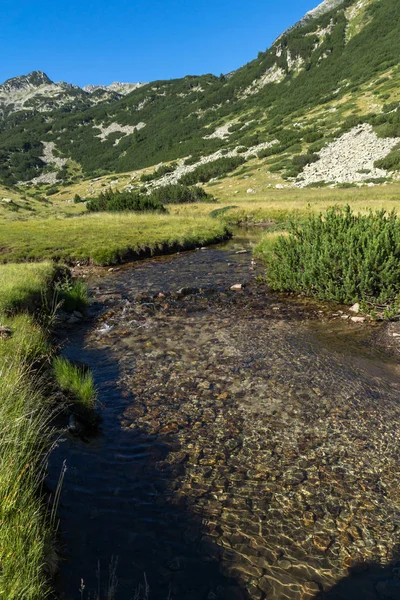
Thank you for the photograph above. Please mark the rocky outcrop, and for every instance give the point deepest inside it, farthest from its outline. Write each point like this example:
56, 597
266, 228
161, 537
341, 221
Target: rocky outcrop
118, 87
183, 169
350, 158
105, 131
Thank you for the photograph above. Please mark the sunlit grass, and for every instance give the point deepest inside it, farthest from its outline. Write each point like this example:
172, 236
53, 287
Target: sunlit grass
104, 238
22, 285
26, 542
76, 381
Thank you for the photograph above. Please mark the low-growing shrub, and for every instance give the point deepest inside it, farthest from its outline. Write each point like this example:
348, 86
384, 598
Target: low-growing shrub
160, 172
180, 194
391, 162
272, 150
116, 201
313, 136
340, 256
216, 168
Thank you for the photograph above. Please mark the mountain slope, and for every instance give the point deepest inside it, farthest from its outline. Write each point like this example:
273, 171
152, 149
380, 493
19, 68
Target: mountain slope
336, 68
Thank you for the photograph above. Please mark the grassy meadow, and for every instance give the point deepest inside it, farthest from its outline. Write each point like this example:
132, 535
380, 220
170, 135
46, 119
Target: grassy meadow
104, 238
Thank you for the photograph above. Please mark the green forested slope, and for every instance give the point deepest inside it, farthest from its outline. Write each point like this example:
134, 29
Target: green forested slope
347, 59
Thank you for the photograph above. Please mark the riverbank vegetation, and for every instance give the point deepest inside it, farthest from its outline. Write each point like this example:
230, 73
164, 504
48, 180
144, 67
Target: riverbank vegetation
140, 201
26, 534
105, 238
339, 256
75, 380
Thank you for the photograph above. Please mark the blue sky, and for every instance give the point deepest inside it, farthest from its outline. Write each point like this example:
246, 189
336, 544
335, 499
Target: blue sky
100, 41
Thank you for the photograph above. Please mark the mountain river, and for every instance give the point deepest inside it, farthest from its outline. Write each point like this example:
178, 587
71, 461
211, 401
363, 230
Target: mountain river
249, 444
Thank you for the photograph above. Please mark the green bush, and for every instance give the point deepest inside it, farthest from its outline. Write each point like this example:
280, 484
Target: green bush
160, 172
216, 168
340, 256
391, 162
180, 194
116, 201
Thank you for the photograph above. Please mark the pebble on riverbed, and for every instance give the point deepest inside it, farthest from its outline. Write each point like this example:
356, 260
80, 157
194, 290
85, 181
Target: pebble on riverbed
237, 286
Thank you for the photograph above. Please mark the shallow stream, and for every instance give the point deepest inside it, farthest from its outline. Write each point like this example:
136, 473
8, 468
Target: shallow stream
249, 446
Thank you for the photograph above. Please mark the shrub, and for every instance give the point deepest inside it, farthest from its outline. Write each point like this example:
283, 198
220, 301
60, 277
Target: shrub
116, 201
180, 194
313, 136
212, 169
160, 172
340, 256
391, 162
78, 199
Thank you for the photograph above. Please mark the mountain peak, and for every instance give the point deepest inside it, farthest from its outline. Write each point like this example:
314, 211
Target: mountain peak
33, 79
322, 8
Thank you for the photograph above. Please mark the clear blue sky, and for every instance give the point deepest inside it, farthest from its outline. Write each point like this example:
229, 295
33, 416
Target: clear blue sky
100, 41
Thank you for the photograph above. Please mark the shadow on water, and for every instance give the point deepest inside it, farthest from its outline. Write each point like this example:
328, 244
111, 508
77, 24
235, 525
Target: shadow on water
366, 581
120, 528
248, 449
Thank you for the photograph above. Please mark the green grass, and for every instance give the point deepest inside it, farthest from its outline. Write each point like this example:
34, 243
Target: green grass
104, 238
73, 295
22, 286
76, 381
26, 533
26, 541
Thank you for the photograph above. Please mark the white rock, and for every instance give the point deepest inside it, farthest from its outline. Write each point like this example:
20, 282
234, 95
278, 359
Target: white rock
237, 286
358, 319
355, 308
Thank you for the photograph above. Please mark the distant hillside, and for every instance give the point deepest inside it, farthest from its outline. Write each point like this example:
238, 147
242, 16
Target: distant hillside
336, 69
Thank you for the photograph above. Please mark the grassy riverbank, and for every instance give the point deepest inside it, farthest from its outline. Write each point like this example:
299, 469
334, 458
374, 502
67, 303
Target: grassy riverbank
26, 536
105, 238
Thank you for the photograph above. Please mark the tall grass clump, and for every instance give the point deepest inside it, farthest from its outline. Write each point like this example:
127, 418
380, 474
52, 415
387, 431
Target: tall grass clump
76, 381
26, 533
27, 553
340, 256
73, 295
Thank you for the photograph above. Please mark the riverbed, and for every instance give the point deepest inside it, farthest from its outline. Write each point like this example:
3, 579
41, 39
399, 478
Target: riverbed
249, 445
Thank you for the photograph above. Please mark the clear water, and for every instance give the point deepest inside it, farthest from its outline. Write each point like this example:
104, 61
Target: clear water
249, 445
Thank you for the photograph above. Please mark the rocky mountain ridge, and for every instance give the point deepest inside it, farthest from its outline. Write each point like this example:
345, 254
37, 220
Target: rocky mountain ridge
37, 92
336, 70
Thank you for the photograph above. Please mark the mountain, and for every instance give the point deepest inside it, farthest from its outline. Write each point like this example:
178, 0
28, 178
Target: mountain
118, 87
321, 102
36, 92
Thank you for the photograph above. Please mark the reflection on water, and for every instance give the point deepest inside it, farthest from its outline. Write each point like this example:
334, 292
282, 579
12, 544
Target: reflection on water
247, 450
